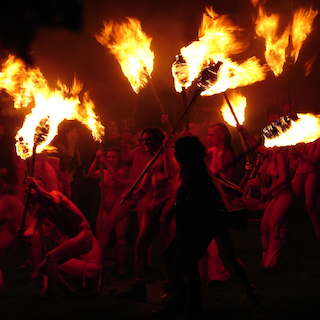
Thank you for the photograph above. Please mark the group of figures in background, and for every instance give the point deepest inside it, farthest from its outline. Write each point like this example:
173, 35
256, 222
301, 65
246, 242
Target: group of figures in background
187, 197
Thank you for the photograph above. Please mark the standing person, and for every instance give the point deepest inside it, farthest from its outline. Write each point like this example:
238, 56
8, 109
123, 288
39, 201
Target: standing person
162, 178
151, 141
112, 137
112, 191
306, 179
197, 221
78, 255
277, 211
67, 161
221, 156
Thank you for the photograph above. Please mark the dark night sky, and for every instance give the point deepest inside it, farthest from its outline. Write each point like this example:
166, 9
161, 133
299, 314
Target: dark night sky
62, 54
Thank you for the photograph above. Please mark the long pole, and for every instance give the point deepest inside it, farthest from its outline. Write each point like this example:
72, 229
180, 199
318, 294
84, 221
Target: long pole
158, 153
185, 106
246, 145
27, 200
167, 123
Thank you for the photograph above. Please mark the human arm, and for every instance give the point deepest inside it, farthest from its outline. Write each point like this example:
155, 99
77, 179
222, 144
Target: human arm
93, 172
171, 167
51, 197
253, 143
126, 152
313, 158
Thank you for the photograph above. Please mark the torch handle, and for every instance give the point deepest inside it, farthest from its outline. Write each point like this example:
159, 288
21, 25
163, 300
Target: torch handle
185, 106
27, 201
246, 144
156, 156
167, 123
101, 196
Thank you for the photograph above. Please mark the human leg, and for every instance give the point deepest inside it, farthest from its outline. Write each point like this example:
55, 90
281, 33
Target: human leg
278, 217
226, 240
216, 269
264, 228
72, 247
118, 212
122, 245
311, 194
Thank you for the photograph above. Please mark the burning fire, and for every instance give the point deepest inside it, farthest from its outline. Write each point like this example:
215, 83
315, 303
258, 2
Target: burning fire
131, 47
218, 39
49, 107
239, 103
306, 129
287, 45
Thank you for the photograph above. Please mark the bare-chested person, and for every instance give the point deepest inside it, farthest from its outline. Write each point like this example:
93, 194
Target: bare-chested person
306, 178
79, 254
163, 179
139, 157
112, 190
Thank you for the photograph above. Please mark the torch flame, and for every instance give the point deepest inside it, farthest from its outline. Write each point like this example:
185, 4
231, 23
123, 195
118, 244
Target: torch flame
51, 107
301, 28
304, 130
218, 39
288, 45
239, 103
131, 47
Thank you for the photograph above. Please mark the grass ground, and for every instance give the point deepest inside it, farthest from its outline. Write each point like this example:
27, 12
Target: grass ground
290, 291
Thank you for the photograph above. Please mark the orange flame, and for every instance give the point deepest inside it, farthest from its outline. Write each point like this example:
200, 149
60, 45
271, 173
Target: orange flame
287, 45
238, 103
218, 39
131, 47
301, 28
51, 106
306, 129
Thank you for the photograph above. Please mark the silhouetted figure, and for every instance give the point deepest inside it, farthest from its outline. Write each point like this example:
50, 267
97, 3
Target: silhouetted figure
198, 220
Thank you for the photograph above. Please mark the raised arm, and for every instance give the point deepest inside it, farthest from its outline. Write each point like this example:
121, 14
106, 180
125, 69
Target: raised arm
171, 166
51, 197
92, 172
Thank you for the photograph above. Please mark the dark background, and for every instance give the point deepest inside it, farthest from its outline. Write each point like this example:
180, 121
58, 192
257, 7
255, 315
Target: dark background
65, 47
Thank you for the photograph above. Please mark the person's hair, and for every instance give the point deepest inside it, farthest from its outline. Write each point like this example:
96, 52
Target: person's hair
227, 135
117, 150
190, 150
63, 128
156, 136
273, 110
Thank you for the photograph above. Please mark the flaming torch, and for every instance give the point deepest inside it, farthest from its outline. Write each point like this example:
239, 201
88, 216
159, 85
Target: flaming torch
49, 107
288, 132
231, 114
285, 47
180, 72
131, 47
207, 78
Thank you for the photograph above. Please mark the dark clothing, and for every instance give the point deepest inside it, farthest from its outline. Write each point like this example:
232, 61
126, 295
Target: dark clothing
197, 222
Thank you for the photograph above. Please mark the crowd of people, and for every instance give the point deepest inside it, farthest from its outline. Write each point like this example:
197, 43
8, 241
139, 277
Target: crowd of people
186, 195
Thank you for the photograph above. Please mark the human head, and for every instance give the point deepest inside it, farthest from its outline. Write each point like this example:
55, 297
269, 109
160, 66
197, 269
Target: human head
112, 128
123, 125
112, 155
68, 130
219, 134
152, 139
189, 150
273, 113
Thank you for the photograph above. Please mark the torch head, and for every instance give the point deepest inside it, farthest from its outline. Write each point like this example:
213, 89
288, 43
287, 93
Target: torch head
277, 128
180, 70
209, 76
